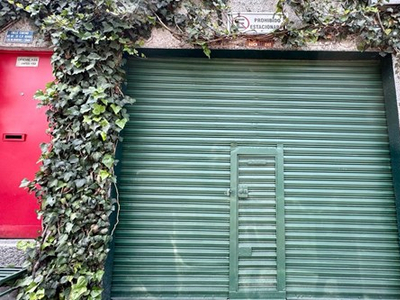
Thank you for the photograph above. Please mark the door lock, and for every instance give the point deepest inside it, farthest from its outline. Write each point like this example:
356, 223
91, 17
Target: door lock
243, 191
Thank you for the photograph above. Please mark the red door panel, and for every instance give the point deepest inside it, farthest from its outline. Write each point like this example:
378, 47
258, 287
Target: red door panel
22, 129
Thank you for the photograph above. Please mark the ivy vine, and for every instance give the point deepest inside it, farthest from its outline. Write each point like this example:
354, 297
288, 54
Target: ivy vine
86, 109
10, 13
86, 114
373, 26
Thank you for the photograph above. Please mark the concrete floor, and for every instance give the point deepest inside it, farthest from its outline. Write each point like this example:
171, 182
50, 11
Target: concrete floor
10, 296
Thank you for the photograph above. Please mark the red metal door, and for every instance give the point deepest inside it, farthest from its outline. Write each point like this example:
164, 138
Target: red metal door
22, 129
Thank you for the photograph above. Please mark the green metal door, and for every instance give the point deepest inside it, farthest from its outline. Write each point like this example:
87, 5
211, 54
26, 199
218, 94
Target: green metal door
257, 269
203, 216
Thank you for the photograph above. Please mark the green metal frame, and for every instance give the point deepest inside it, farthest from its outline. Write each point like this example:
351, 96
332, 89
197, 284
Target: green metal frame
263, 54
8, 274
280, 292
389, 96
392, 117
107, 278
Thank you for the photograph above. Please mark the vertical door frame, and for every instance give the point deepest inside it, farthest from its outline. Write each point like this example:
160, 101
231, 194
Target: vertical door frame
393, 125
280, 292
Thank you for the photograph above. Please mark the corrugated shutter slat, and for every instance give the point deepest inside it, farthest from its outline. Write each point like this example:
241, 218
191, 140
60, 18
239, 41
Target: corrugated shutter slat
173, 240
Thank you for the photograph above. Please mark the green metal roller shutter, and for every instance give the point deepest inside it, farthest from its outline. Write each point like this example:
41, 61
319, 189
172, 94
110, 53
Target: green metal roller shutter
175, 231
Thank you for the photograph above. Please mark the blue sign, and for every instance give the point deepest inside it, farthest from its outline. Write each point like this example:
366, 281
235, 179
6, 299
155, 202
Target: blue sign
17, 36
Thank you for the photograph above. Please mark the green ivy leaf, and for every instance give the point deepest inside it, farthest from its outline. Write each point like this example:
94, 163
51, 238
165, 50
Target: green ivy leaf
105, 124
94, 56
98, 109
24, 245
98, 276
104, 174
96, 293
87, 119
80, 182
31, 287
206, 50
121, 123
103, 135
108, 161
37, 295
24, 183
116, 109
68, 227
50, 201
79, 288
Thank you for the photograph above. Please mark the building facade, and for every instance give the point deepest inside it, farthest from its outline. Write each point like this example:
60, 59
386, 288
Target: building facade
261, 173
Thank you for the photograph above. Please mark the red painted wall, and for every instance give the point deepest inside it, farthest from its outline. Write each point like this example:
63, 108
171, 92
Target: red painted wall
20, 117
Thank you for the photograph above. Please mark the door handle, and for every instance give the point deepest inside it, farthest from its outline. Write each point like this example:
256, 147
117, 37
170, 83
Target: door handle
243, 191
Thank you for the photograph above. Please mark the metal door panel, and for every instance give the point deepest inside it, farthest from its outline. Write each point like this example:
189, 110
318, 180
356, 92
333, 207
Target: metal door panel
257, 267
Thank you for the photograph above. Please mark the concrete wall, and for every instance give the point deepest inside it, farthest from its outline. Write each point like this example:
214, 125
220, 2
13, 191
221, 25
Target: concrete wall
38, 44
162, 38
397, 76
10, 256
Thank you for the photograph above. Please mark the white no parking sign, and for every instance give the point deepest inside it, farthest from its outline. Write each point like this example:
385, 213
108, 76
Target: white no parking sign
256, 23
